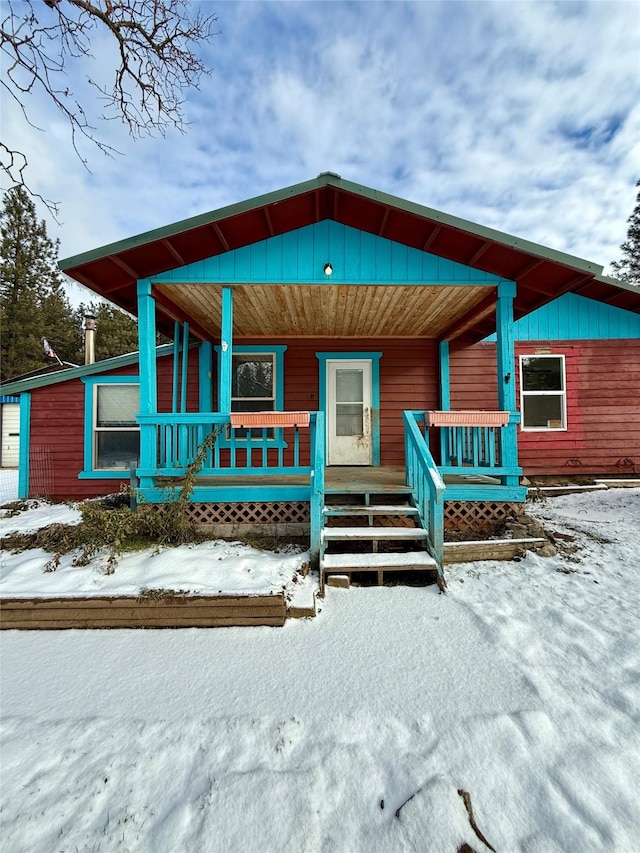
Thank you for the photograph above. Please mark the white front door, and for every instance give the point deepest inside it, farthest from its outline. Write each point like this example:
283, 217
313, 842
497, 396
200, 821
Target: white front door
349, 439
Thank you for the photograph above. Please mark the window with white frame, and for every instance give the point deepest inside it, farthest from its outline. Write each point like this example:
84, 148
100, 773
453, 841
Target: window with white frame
116, 435
543, 396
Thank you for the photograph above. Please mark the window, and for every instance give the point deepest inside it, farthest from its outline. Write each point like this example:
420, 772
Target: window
253, 387
543, 392
253, 382
112, 436
257, 383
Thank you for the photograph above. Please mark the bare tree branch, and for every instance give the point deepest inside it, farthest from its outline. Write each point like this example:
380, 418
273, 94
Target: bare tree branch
156, 43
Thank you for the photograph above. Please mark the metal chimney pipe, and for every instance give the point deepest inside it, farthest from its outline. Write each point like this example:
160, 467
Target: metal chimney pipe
89, 339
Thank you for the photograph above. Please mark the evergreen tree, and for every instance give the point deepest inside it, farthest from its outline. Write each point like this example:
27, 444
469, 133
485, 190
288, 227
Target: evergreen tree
628, 268
33, 304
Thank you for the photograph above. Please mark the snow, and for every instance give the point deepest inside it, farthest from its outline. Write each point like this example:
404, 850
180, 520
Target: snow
520, 686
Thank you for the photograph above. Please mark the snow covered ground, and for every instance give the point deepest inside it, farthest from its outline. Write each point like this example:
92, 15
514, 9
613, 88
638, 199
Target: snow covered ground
355, 730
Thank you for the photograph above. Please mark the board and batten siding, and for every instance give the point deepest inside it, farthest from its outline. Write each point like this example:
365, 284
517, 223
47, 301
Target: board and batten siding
56, 449
603, 404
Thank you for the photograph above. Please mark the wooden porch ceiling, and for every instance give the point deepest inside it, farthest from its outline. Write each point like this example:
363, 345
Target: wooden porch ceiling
331, 310
541, 274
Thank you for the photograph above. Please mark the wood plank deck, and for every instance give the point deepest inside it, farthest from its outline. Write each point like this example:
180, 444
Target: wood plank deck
348, 478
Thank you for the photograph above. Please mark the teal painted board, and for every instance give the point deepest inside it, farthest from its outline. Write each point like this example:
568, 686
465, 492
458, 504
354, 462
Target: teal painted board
299, 256
572, 318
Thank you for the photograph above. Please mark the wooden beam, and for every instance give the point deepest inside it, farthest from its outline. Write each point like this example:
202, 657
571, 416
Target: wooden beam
218, 232
267, 217
383, 224
173, 251
478, 253
135, 275
429, 241
473, 316
528, 268
170, 309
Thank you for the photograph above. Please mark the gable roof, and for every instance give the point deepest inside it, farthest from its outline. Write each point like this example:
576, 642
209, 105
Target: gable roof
541, 273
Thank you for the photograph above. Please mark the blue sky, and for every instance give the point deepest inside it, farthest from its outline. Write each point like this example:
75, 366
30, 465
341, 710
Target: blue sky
521, 116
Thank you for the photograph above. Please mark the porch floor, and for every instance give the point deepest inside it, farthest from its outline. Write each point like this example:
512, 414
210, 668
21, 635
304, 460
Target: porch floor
347, 478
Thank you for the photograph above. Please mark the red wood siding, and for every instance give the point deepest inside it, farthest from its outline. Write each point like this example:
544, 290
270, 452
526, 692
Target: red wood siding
603, 404
408, 380
57, 432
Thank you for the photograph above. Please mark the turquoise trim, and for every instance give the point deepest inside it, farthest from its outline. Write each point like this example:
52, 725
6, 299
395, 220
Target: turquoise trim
515, 494
25, 445
148, 372
576, 318
445, 390
185, 366
374, 357
176, 352
299, 257
445, 376
225, 372
230, 493
205, 376
90, 382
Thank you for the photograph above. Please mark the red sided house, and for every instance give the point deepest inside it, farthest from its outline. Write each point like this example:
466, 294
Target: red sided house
352, 355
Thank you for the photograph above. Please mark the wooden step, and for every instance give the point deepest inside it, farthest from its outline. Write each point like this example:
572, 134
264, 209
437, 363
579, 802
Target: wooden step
358, 490
413, 560
376, 509
332, 534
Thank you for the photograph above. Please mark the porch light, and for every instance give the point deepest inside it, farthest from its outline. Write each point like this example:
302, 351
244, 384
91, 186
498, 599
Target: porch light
328, 269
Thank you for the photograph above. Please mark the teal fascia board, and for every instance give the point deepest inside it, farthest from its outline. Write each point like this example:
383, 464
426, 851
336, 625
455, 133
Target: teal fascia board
573, 318
515, 494
299, 257
25, 446
203, 494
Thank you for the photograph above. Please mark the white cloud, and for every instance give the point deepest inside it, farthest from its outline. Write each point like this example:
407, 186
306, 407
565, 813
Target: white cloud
519, 116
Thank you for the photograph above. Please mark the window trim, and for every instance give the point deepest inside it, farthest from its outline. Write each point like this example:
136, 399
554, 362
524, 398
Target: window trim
562, 394
277, 350
90, 417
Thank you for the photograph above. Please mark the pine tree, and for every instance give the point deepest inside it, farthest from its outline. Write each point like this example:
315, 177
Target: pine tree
33, 304
628, 268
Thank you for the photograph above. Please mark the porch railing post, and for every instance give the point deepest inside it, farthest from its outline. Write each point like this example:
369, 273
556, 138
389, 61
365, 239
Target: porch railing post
148, 381
445, 397
317, 485
226, 352
506, 378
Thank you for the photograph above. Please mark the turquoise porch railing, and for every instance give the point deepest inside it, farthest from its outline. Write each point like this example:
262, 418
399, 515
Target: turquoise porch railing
478, 448
427, 487
170, 442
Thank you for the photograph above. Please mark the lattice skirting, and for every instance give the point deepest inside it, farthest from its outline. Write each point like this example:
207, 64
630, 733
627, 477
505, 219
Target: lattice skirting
478, 515
249, 512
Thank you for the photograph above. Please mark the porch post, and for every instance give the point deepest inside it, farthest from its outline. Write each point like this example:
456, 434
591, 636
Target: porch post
226, 352
205, 372
148, 382
506, 376
445, 396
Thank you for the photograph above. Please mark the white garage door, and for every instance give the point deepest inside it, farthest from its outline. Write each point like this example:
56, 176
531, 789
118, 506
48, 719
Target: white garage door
10, 435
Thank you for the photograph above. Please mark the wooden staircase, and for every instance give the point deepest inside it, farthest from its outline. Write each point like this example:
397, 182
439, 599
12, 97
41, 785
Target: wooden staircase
373, 532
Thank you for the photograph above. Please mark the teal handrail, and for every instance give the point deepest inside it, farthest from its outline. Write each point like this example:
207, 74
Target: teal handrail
427, 487
318, 453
